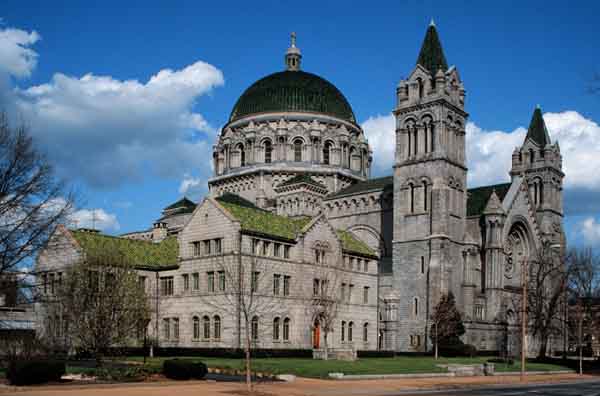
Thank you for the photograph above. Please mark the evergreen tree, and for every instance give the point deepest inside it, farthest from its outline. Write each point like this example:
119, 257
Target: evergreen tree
447, 323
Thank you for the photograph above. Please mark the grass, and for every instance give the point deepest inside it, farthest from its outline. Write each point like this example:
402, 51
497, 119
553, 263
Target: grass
320, 369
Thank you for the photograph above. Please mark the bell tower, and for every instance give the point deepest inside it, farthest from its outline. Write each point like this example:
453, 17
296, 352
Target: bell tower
539, 161
429, 189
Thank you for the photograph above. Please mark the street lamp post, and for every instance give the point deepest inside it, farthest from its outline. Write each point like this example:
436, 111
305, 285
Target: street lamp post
523, 318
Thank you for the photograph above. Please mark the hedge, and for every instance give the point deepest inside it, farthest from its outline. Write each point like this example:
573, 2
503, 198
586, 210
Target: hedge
29, 372
184, 369
232, 353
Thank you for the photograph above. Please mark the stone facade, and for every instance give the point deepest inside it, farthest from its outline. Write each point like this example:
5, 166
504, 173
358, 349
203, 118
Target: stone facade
292, 200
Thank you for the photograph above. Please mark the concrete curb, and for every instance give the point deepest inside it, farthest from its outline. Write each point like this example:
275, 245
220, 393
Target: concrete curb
341, 376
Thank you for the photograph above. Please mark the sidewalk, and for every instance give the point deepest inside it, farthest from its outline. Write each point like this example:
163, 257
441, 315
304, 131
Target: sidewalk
301, 387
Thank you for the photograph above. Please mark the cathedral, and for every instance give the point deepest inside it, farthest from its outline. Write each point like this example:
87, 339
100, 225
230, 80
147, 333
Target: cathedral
292, 201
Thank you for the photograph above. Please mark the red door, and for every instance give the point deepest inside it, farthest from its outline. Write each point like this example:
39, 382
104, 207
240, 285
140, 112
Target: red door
316, 336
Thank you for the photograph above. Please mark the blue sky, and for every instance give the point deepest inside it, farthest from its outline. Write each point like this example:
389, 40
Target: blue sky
131, 150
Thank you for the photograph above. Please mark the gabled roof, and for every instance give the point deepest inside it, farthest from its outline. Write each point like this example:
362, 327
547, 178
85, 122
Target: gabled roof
351, 244
258, 221
431, 56
301, 178
183, 205
537, 131
137, 253
365, 186
477, 198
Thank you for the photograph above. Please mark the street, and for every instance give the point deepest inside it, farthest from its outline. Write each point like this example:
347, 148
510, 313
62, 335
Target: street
583, 388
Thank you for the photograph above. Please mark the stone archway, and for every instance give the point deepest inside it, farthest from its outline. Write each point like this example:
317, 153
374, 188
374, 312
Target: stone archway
517, 250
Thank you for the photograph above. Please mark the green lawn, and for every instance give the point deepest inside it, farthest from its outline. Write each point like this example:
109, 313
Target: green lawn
320, 369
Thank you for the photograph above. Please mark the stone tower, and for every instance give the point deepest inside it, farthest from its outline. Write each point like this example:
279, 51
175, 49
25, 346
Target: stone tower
429, 190
540, 163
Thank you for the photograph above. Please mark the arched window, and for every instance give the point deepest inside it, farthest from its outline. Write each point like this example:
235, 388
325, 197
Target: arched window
416, 306
268, 151
420, 87
217, 327
286, 329
432, 131
196, 321
254, 329
425, 135
541, 192
326, 153
276, 329
298, 150
206, 327
425, 196
531, 156
350, 328
411, 188
343, 331
365, 332
240, 148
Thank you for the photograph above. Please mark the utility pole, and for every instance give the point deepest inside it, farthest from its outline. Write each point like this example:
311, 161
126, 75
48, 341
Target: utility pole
523, 319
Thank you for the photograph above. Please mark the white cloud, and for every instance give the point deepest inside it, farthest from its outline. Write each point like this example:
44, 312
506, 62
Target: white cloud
107, 131
94, 218
192, 186
489, 153
590, 229
16, 56
380, 130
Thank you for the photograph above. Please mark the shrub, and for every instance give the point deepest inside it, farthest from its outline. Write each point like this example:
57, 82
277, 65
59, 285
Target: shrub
458, 350
121, 374
29, 372
184, 369
375, 354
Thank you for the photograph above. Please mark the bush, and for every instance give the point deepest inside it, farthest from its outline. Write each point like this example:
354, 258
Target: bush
458, 350
184, 369
122, 374
29, 372
375, 354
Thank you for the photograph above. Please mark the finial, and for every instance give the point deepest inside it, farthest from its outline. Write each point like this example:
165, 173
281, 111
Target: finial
537, 106
432, 23
293, 55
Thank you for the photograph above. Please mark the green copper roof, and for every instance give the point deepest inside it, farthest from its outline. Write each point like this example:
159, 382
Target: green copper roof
139, 254
478, 197
362, 187
183, 204
294, 91
353, 245
432, 56
261, 222
301, 178
537, 131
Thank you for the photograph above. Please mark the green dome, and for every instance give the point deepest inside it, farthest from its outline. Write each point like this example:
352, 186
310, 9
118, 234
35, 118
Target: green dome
294, 91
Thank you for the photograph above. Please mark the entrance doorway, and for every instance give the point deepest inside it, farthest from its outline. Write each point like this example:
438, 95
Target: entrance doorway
316, 335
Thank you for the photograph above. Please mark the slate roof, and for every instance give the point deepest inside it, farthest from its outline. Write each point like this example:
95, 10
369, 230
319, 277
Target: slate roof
301, 178
140, 254
365, 186
431, 56
478, 197
353, 245
261, 222
296, 91
184, 205
537, 131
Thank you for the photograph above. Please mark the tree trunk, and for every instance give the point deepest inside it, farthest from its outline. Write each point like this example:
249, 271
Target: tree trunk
325, 346
543, 345
248, 368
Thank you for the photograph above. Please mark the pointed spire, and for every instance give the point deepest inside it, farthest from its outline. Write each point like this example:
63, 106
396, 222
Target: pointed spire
293, 55
537, 131
494, 205
432, 23
432, 56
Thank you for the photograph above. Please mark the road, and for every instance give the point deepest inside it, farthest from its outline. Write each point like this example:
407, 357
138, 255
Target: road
583, 388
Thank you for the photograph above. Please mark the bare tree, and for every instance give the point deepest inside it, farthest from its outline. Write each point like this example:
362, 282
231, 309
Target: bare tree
32, 200
583, 290
324, 298
447, 326
547, 277
242, 287
100, 304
